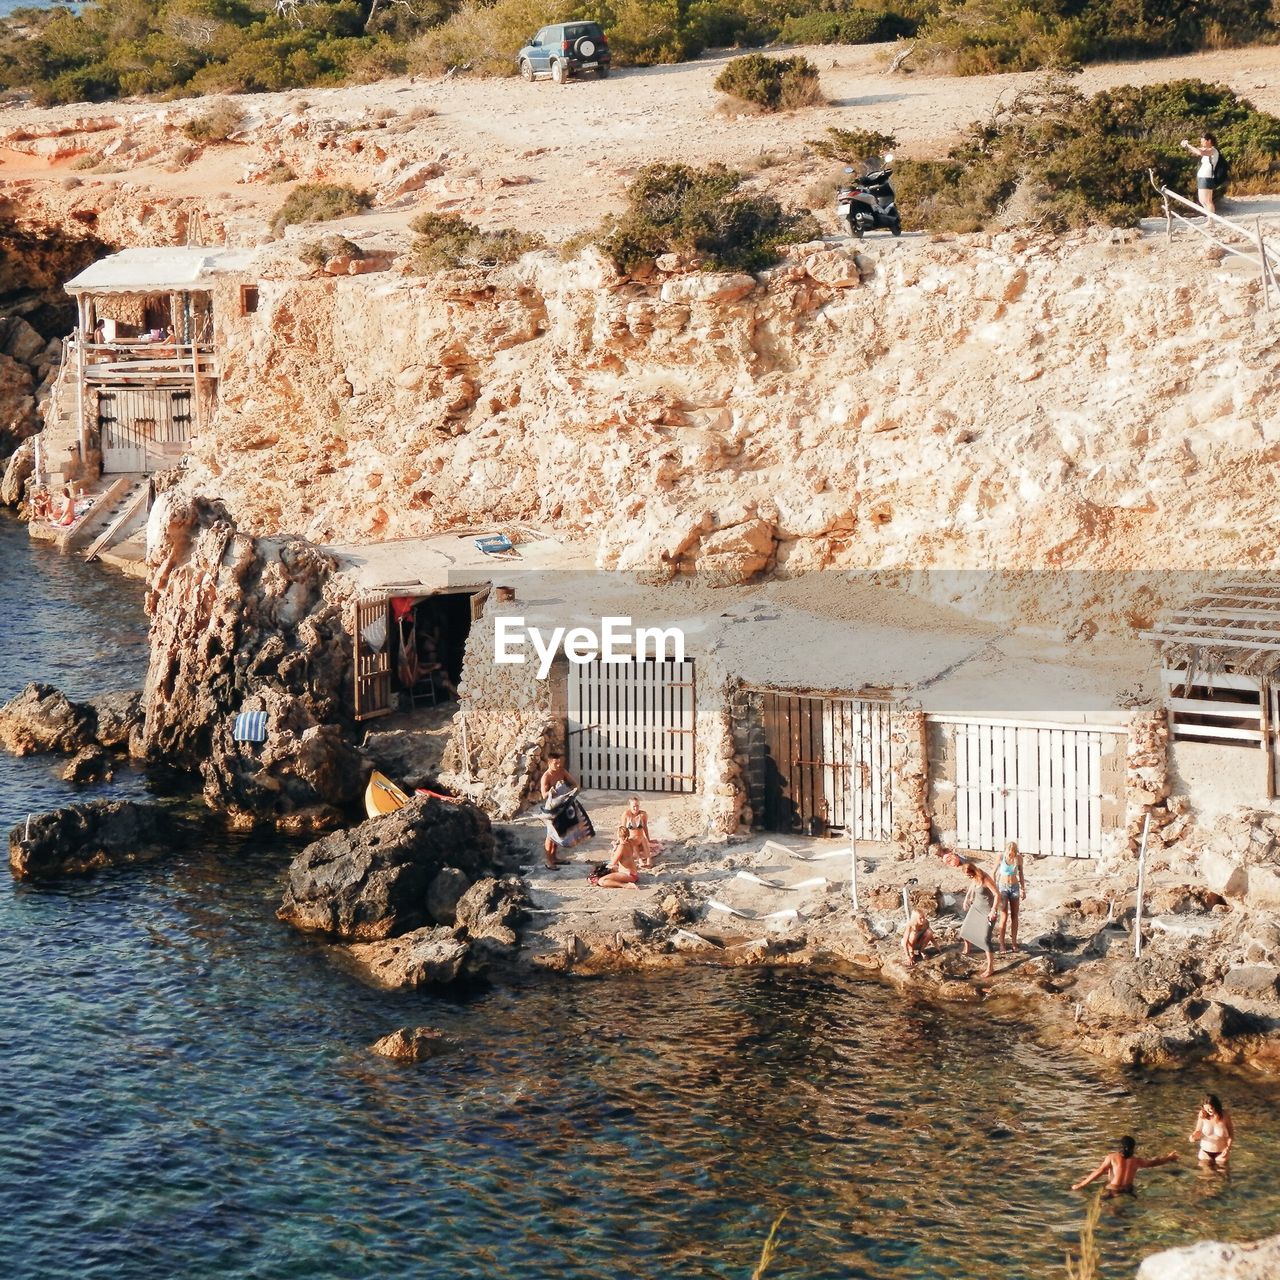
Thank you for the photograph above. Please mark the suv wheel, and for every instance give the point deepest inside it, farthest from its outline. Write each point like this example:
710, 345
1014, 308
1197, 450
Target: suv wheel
526, 69
585, 48
559, 71
602, 70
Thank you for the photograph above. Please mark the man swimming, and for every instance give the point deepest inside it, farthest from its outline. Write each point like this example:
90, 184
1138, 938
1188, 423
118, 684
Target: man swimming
1120, 1167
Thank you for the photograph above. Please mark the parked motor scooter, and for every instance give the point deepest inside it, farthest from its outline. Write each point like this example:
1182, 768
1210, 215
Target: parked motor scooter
869, 202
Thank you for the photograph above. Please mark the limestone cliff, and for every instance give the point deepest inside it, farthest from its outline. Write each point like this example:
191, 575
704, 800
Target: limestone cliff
974, 402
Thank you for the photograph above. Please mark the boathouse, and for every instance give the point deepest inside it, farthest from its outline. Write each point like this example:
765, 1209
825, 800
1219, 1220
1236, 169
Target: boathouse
139, 373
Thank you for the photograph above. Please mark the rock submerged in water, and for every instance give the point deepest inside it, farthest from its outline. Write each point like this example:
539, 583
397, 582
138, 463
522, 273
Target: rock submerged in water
375, 881
43, 719
1211, 1260
414, 1044
85, 837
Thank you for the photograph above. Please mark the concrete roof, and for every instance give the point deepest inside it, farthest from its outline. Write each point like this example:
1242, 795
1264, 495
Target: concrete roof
164, 269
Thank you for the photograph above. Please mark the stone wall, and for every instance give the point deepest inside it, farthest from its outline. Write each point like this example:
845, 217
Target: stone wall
1147, 785
506, 725
912, 821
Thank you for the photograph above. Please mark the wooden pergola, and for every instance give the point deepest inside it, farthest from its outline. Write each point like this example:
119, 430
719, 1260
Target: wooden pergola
1220, 661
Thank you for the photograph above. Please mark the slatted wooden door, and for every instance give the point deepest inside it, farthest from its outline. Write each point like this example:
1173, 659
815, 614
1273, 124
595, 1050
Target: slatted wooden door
1051, 789
373, 657
815, 757
631, 725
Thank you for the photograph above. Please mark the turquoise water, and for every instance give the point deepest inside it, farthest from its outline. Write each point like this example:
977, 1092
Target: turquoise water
188, 1091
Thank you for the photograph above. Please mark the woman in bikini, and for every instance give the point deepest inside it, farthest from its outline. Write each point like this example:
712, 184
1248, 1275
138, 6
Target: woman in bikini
636, 822
622, 872
1012, 884
1214, 1132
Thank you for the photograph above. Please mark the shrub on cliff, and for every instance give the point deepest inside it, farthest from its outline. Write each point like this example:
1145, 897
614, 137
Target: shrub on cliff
215, 125
1075, 160
447, 240
321, 202
701, 212
773, 84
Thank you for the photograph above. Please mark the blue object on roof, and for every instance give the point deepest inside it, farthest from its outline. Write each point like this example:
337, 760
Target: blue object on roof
494, 543
250, 726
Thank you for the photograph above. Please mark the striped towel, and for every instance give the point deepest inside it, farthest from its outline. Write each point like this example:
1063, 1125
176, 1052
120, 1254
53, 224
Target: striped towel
250, 726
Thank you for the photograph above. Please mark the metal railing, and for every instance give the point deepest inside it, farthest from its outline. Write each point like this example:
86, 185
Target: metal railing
1232, 238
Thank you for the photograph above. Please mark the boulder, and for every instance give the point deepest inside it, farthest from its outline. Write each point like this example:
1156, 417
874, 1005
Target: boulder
414, 1044
1262, 893
430, 957
20, 467
40, 719
443, 893
372, 881
115, 717
1211, 1260
1256, 981
84, 837
491, 909
89, 765
716, 288
1223, 874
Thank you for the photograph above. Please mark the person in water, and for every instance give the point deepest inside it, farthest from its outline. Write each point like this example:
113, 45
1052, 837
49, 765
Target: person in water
1214, 1132
636, 822
982, 884
918, 936
1012, 885
555, 774
1119, 1167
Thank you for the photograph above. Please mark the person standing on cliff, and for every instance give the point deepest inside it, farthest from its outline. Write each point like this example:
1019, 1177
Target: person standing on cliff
980, 901
553, 776
1207, 173
1121, 1166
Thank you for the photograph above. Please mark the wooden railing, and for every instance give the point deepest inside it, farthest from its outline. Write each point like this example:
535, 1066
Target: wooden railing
144, 361
1231, 237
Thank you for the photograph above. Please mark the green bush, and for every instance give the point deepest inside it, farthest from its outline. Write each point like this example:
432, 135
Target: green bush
676, 208
854, 26
485, 37
215, 125
321, 202
1076, 160
446, 240
853, 146
773, 84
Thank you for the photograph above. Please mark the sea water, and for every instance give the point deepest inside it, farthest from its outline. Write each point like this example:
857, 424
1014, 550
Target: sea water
188, 1090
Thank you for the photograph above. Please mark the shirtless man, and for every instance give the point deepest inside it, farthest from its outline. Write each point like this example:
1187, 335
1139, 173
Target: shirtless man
1120, 1167
555, 774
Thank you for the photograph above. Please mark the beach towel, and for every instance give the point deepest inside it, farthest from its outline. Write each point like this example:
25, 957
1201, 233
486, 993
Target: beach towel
250, 726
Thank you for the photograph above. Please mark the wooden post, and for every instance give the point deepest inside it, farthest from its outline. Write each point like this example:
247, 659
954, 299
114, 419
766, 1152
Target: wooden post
1142, 884
81, 339
1168, 220
853, 867
906, 904
1268, 736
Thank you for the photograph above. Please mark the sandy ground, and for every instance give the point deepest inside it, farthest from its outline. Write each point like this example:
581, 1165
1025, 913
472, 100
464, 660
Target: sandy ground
806, 877
573, 147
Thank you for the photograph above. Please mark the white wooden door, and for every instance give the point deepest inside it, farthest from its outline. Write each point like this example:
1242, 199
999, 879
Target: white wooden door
1039, 785
631, 725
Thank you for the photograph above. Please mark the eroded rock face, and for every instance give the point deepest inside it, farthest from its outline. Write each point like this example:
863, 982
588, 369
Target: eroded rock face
433, 956
85, 837
41, 718
374, 881
246, 624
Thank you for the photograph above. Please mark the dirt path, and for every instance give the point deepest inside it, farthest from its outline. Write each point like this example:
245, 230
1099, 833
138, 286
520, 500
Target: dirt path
571, 148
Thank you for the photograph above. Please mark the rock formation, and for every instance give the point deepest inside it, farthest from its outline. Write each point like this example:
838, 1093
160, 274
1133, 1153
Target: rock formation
376, 880
85, 837
1211, 1260
414, 1044
43, 719
248, 624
